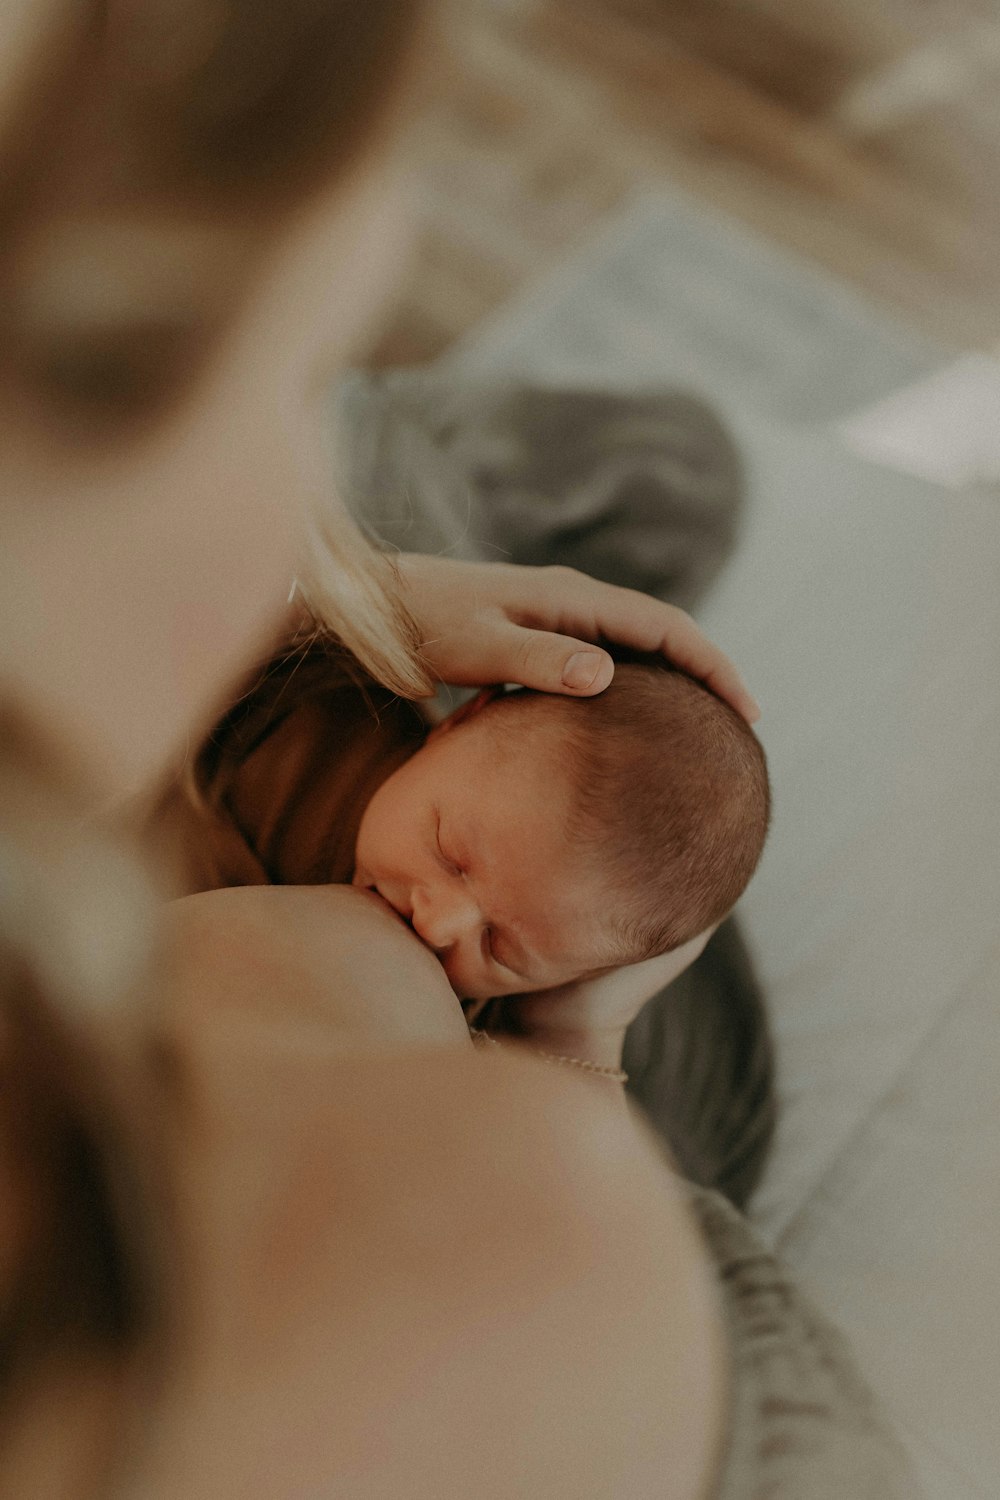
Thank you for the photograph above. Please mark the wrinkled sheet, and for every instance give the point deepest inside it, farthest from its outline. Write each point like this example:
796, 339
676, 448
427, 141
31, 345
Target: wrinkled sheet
864, 607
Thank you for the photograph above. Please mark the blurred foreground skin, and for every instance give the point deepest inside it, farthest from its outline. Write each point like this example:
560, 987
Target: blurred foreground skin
402, 1269
498, 1297
377, 1263
194, 538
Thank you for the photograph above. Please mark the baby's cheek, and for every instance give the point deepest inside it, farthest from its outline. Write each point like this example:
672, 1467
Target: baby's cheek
471, 986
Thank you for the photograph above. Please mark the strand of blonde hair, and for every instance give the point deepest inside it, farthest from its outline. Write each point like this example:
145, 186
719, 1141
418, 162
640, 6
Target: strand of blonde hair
353, 590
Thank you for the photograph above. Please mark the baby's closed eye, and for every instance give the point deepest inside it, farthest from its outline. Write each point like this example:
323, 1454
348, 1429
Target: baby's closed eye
453, 865
494, 949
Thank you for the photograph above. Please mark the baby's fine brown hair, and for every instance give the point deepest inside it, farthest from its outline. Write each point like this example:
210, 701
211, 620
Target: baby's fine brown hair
672, 800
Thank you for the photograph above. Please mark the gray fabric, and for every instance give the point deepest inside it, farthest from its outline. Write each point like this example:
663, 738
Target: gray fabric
640, 489
802, 1423
700, 1061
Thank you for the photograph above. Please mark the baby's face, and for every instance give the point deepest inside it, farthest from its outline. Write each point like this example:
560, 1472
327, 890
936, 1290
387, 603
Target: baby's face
468, 841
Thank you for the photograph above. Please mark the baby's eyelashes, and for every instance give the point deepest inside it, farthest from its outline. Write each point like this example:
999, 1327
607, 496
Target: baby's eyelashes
490, 951
450, 864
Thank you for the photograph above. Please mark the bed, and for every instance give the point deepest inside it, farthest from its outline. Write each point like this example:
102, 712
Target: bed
864, 606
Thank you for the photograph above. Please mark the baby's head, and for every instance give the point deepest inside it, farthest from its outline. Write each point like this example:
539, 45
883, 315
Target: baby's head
544, 838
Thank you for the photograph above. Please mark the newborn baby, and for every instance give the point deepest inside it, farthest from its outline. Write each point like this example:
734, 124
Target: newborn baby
529, 839
539, 839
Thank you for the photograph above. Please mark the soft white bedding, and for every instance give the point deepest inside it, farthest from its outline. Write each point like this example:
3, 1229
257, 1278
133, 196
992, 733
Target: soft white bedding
874, 920
864, 607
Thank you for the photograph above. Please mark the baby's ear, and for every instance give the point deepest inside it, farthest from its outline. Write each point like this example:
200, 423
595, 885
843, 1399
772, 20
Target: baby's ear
467, 710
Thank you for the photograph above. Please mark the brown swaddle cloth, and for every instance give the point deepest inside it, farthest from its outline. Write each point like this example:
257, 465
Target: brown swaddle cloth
802, 1423
276, 793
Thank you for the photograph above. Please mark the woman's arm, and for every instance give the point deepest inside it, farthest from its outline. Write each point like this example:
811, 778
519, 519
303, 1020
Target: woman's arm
542, 627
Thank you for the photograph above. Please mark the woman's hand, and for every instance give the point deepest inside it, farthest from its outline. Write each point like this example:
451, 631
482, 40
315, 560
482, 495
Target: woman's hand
496, 622
588, 1019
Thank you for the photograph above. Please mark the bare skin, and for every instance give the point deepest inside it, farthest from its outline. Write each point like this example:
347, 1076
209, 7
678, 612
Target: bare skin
401, 1268
467, 841
439, 1231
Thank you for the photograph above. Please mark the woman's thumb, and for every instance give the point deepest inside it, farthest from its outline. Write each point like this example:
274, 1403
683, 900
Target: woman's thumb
558, 664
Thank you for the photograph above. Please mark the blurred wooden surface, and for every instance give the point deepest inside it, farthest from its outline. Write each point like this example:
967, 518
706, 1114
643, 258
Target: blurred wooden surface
865, 137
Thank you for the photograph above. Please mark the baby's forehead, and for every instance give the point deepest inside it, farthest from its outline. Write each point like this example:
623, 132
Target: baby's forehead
530, 770
531, 728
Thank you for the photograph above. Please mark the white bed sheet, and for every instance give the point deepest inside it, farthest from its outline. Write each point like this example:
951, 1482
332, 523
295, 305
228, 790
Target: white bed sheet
864, 607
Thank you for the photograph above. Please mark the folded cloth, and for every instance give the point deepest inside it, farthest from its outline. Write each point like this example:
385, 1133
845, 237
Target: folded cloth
802, 1423
639, 489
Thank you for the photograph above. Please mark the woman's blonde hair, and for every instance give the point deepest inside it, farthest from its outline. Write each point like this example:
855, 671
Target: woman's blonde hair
352, 590
156, 155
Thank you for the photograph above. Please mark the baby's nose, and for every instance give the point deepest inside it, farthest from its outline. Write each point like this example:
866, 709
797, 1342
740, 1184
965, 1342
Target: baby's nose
440, 919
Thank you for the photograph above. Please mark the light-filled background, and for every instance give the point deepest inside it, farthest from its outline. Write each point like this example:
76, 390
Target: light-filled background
864, 606
864, 134
791, 210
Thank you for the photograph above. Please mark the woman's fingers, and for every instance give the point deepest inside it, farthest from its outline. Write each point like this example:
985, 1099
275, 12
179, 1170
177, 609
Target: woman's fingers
542, 627
598, 610
542, 660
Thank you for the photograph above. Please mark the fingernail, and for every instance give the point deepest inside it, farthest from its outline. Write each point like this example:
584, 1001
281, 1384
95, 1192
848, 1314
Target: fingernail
581, 669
